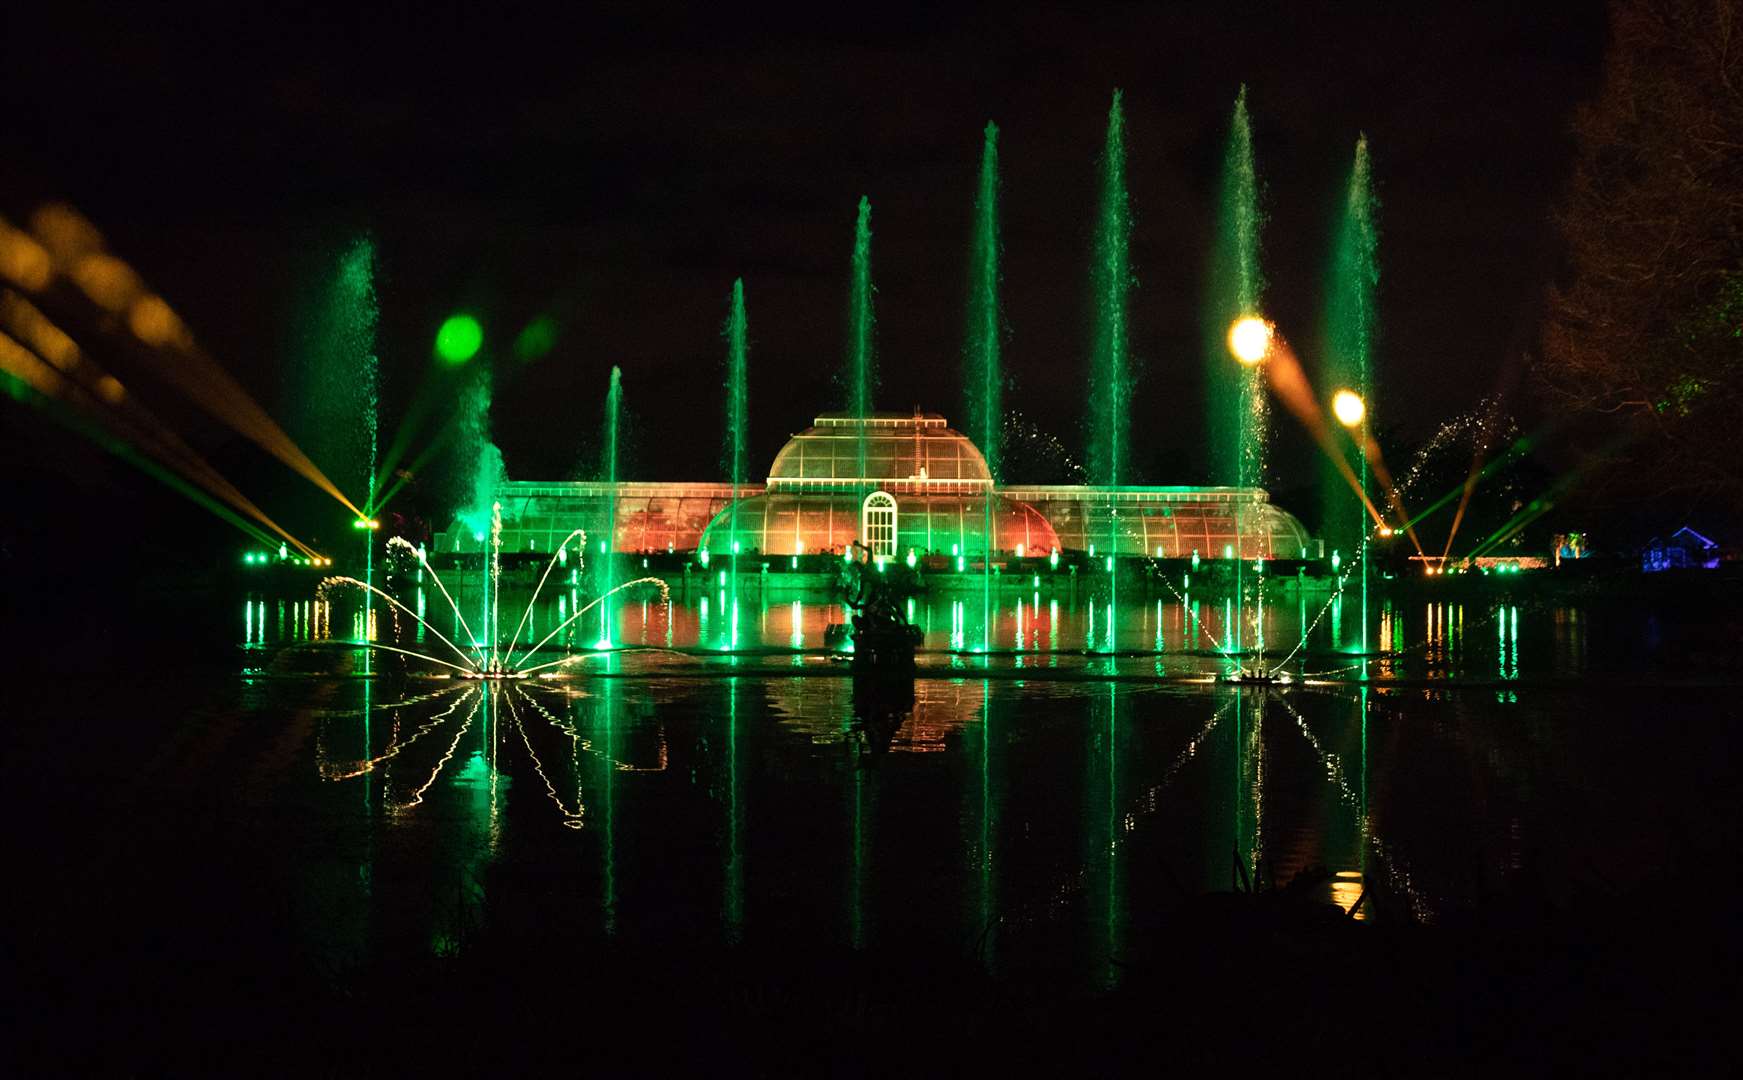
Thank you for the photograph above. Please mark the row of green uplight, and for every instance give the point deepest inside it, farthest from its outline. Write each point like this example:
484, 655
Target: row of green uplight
265, 558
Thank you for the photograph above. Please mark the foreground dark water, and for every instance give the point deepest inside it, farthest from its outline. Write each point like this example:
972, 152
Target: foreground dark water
273, 823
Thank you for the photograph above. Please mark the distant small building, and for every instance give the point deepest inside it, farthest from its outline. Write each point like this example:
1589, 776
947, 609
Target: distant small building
1685, 549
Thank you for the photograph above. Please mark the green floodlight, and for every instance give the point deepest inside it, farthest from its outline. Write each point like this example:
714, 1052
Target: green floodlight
1053, 560
961, 563
536, 339
1195, 558
702, 557
459, 338
1336, 559
911, 559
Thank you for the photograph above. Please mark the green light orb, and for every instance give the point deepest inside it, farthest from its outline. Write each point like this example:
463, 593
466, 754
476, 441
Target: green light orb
536, 339
459, 339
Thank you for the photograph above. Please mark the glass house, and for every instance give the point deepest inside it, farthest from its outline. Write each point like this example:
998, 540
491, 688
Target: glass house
897, 482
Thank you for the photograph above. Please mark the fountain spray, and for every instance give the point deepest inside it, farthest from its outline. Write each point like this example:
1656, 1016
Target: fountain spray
613, 406
1351, 326
860, 329
985, 338
1238, 403
737, 414
1110, 382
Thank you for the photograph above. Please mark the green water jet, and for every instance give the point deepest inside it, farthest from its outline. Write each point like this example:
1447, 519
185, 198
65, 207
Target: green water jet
608, 466
1237, 404
985, 385
1351, 328
861, 327
1110, 384
737, 412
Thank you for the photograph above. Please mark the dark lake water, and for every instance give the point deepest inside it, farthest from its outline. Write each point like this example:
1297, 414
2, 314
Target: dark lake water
720, 775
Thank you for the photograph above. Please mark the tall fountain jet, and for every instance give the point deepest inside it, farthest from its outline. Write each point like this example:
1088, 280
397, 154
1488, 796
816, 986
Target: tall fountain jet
1351, 326
1238, 404
1110, 383
1237, 401
860, 329
737, 413
985, 385
336, 393
613, 407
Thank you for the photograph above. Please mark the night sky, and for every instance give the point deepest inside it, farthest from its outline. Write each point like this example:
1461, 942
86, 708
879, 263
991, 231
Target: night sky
617, 173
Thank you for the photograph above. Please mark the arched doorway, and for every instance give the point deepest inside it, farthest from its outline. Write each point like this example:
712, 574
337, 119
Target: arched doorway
877, 523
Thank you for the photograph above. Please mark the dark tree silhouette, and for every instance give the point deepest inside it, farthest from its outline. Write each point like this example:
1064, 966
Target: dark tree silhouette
1644, 337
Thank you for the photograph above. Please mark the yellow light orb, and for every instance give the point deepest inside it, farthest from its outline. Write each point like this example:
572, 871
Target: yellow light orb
1347, 406
1250, 339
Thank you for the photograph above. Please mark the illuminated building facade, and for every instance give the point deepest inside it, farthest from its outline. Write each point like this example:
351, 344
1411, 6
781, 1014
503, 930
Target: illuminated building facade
924, 487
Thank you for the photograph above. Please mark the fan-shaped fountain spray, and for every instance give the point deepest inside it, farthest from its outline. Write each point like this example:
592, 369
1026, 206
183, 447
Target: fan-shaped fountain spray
485, 661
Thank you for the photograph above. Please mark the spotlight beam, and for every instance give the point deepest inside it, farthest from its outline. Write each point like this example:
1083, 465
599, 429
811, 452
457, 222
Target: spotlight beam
1289, 383
32, 379
1519, 447
117, 290
1371, 451
102, 396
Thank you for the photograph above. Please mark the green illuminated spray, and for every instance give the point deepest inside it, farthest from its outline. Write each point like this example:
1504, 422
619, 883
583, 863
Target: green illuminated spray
861, 327
737, 412
536, 339
613, 408
1351, 326
335, 398
478, 455
1237, 404
985, 336
483, 474
1111, 284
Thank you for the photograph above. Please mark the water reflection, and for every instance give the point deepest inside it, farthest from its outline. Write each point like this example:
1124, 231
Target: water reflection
1004, 814
1038, 790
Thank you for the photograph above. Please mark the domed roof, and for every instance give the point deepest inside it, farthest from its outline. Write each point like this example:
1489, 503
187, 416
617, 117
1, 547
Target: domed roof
903, 452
